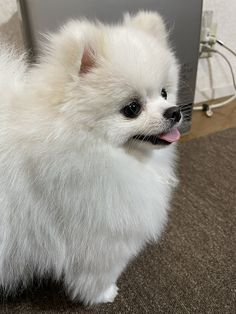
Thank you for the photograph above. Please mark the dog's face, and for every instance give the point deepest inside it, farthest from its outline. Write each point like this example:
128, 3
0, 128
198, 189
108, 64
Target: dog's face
126, 86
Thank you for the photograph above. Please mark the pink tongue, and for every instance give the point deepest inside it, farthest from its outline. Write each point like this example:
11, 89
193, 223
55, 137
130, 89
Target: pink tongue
171, 137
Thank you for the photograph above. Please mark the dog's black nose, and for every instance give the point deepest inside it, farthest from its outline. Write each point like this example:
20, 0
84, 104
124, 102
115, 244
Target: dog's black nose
173, 113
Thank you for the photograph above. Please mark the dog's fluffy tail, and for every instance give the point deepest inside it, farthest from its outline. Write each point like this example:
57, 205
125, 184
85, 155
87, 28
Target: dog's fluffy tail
12, 72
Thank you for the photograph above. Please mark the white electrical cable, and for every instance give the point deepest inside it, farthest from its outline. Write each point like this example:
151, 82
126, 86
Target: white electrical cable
229, 64
231, 98
220, 42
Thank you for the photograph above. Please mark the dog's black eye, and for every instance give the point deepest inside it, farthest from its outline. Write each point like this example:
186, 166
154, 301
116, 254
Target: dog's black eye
132, 110
164, 93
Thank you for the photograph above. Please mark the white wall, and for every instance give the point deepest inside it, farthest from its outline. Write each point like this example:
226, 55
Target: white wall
213, 78
7, 9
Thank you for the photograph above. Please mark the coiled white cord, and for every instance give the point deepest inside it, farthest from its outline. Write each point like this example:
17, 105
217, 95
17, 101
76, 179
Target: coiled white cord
208, 108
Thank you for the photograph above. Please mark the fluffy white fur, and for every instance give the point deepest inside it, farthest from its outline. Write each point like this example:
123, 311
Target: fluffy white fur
78, 198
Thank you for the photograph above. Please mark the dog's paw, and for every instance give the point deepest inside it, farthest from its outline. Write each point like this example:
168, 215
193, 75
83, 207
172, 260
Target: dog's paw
108, 295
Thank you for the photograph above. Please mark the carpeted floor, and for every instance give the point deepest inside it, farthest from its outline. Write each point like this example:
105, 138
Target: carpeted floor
193, 268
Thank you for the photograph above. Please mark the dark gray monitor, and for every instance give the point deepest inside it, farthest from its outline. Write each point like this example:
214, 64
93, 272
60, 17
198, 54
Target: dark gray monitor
183, 18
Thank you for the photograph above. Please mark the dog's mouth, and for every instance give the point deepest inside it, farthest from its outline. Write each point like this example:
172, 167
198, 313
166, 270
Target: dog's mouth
167, 138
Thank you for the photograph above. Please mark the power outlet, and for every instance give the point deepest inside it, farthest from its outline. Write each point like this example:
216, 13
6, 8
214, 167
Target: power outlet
208, 34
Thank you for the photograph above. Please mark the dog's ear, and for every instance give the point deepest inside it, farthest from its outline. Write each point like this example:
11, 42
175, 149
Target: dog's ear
74, 49
66, 56
88, 60
149, 22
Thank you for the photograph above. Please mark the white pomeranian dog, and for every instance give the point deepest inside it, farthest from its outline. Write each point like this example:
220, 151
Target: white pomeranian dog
87, 154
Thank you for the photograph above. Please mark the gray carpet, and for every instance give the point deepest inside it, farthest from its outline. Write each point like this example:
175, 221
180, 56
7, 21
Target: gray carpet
193, 268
